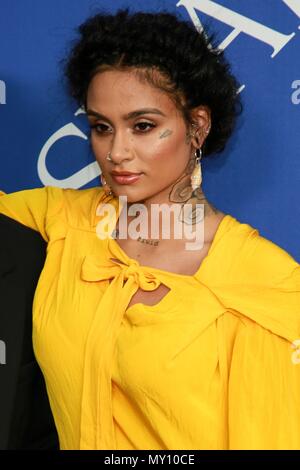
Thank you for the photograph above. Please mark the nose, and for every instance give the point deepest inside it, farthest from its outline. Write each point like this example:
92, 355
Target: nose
121, 148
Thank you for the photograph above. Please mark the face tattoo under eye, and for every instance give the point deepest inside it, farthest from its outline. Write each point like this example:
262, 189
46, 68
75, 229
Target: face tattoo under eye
166, 133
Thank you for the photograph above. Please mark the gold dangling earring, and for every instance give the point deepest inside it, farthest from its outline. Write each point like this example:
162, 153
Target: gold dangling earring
196, 176
107, 189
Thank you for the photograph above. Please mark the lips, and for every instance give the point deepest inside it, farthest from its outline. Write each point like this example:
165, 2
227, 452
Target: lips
126, 177
124, 173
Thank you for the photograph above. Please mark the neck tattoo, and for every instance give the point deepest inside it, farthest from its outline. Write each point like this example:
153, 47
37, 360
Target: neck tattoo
140, 239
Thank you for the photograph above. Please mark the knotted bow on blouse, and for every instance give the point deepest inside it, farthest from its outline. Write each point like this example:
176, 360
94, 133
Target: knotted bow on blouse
97, 418
94, 271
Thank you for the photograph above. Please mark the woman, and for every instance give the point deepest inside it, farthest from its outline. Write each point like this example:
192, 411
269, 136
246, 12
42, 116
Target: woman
145, 342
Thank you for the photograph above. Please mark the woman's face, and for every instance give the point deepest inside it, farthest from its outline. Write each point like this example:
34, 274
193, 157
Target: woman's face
143, 131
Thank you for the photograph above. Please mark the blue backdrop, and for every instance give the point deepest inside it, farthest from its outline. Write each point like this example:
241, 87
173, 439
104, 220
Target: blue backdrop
256, 179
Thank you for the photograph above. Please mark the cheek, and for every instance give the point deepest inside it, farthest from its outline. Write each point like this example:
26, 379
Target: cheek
164, 150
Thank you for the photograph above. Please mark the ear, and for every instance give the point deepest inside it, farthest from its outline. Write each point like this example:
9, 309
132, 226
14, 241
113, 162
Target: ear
201, 124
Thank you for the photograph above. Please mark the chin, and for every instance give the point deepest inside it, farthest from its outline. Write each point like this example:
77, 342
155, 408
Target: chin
132, 196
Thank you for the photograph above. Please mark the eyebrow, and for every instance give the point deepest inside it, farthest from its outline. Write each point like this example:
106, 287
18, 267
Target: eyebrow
131, 115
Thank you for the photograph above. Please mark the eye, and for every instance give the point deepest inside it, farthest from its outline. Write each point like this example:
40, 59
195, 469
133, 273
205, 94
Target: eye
99, 128
144, 126
102, 129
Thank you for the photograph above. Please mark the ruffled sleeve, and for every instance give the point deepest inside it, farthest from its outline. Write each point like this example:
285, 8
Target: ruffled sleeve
260, 283
264, 388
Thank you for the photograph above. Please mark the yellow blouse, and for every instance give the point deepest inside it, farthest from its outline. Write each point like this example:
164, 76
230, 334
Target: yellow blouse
213, 365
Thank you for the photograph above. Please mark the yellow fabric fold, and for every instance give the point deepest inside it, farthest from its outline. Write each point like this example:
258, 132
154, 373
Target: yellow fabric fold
252, 275
104, 330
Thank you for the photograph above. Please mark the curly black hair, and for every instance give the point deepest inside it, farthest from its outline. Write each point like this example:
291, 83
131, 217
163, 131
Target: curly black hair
191, 69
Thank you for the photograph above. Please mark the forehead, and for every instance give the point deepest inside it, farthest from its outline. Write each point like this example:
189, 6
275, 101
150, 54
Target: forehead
125, 89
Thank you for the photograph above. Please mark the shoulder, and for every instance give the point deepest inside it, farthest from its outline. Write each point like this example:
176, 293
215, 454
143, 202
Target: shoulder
246, 256
80, 205
265, 262
255, 278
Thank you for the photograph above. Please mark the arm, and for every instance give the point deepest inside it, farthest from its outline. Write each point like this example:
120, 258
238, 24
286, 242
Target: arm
32, 207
